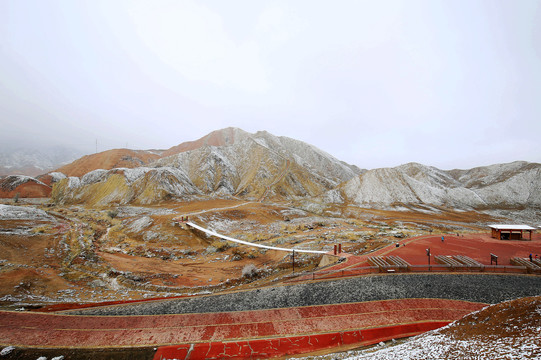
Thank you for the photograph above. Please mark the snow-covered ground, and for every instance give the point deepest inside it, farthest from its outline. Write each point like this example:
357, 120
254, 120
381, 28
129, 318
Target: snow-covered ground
437, 346
11, 212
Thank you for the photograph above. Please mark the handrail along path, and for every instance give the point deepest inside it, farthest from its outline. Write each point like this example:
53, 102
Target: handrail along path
214, 233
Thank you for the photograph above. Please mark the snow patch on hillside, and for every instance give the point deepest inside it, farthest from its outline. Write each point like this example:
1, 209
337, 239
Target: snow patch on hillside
74, 182
13, 181
139, 225
11, 212
93, 177
132, 211
134, 174
57, 176
437, 346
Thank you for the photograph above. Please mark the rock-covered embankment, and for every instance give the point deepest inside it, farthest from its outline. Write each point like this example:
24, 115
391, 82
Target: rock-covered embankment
483, 288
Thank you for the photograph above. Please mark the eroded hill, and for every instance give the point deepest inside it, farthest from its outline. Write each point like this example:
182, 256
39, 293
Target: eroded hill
515, 185
234, 164
110, 159
250, 166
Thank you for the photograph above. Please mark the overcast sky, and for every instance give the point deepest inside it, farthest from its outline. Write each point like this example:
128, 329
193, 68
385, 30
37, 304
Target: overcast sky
452, 84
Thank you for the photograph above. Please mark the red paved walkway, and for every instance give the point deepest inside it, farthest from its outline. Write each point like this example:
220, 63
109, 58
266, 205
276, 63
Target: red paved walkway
399, 317
476, 246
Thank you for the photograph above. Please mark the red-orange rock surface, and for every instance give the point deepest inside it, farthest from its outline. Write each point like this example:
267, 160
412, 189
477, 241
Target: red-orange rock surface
110, 159
25, 186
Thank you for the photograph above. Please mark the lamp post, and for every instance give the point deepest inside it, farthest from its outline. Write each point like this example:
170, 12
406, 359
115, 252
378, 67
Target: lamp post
428, 254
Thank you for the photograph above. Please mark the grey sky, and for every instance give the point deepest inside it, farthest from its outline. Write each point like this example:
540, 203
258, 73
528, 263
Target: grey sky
453, 84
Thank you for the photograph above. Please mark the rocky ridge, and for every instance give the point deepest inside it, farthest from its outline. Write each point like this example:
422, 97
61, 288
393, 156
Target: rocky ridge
141, 185
515, 185
232, 163
251, 166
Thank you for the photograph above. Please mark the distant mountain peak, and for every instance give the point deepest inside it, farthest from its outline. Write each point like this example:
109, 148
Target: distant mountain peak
222, 137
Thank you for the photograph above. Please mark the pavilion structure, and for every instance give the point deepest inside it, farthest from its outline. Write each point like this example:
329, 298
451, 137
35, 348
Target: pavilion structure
511, 232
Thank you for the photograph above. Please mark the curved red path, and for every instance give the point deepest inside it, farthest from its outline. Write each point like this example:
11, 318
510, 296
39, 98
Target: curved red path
295, 330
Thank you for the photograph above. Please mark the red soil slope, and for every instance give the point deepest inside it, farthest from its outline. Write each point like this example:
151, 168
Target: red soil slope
118, 158
215, 138
110, 159
30, 188
511, 318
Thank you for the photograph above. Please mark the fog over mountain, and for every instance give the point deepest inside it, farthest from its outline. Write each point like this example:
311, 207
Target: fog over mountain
450, 84
33, 160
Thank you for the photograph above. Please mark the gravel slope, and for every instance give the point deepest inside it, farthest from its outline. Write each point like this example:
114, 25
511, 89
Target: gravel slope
482, 288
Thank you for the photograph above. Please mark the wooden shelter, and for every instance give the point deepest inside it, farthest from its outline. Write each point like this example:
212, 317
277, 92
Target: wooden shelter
511, 232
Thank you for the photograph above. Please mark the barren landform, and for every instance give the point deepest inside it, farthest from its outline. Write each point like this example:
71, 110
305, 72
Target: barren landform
76, 254
112, 228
